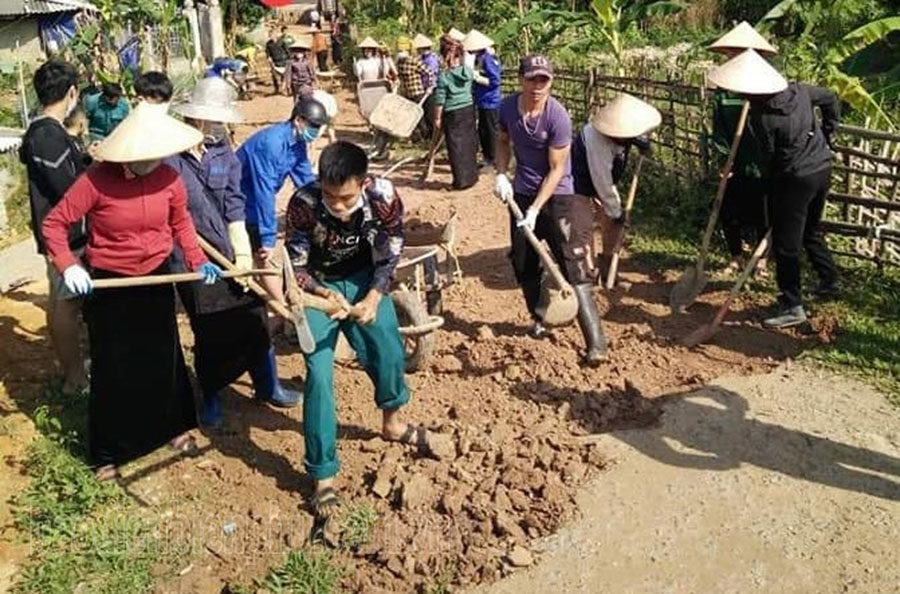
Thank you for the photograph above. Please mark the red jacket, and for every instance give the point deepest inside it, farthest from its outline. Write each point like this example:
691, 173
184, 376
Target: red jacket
132, 220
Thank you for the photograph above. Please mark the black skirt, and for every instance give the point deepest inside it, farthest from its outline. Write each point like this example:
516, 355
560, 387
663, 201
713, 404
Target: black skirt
460, 135
230, 331
140, 393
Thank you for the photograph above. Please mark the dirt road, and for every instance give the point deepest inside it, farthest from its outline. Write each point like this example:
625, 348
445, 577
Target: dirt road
524, 416
788, 482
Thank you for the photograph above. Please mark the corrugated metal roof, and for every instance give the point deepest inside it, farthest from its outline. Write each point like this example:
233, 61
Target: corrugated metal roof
11, 8
10, 138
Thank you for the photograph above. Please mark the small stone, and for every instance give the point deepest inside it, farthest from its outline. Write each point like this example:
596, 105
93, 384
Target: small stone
382, 487
485, 333
441, 446
507, 526
416, 491
520, 557
519, 499
376, 444
513, 373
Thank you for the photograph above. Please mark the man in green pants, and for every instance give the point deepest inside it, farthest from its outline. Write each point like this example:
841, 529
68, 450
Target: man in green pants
344, 237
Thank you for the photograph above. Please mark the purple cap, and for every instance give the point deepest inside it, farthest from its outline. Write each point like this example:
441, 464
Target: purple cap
535, 65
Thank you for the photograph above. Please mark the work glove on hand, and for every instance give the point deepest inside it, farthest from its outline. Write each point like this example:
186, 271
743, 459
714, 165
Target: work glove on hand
240, 245
530, 219
503, 187
77, 280
643, 145
211, 273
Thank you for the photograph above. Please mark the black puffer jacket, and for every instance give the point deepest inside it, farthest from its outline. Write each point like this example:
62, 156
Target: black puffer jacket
790, 132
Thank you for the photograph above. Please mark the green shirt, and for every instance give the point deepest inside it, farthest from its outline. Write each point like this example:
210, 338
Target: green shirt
454, 88
102, 117
750, 159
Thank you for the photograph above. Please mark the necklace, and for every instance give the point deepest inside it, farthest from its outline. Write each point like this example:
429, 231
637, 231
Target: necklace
537, 122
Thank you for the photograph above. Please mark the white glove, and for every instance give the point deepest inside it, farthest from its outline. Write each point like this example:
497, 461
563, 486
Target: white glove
77, 280
503, 188
383, 188
530, 219
240, 245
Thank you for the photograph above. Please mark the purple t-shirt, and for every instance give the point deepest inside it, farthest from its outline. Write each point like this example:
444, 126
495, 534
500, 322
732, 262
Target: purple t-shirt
531, 142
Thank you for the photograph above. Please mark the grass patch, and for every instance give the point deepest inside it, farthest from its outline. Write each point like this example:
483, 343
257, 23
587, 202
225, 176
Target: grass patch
867, 337
357, 526
14, 193
307, 571
87, 536
670, 217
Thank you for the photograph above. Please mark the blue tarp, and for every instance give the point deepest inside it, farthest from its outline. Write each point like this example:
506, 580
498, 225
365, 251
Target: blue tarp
57, 30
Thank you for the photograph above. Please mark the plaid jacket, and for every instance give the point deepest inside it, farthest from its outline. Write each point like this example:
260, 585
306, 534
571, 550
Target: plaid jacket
411, 71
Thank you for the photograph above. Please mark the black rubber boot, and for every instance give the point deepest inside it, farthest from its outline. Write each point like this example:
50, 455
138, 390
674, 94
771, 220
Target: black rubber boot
589, 321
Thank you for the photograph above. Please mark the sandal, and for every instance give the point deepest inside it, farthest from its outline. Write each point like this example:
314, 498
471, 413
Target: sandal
325, 529
762, 271
185, 444
108, 472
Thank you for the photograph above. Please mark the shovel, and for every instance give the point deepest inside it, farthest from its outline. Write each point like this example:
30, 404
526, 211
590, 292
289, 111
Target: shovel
560, 305
707, 331
694, 279
629, 203
167, 279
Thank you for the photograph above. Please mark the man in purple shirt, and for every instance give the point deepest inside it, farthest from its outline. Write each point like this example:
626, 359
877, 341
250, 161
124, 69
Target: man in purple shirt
537, 128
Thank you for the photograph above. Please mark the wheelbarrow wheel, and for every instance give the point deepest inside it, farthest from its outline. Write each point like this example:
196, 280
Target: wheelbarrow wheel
412, 312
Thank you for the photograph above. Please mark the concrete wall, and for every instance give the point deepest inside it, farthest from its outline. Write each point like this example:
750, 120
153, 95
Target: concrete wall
25, 30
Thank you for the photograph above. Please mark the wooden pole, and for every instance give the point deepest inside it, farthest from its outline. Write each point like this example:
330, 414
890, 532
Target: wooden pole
166, 279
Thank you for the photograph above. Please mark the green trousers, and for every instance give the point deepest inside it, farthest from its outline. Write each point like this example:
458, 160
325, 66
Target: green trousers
379, 350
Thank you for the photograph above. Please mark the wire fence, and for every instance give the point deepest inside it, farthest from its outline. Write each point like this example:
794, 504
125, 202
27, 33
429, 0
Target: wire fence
863, 212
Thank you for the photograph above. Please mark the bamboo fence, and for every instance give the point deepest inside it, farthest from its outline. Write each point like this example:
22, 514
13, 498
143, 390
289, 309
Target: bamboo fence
862, 216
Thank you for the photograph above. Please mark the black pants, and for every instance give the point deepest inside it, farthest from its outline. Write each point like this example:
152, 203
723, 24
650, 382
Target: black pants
744, 208
566, 224
797, 205
488, 124
425, 127
322, 59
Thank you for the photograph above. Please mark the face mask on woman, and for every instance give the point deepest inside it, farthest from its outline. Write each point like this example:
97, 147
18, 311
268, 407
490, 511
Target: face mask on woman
141, 168
309, 134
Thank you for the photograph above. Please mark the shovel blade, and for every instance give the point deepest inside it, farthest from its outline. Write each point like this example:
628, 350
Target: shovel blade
700, 335
304, 334
687, 289
559, 306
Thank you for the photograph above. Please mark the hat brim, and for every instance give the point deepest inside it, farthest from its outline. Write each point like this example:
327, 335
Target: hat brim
748, 74
226, 115
536, 73
147, 134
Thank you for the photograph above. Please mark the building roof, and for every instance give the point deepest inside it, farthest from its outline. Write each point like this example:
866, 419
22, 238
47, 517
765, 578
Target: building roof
14, 8
10, 138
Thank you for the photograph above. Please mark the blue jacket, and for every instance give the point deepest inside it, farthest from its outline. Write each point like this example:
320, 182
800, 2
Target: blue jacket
213, 190
488, 97
267, 159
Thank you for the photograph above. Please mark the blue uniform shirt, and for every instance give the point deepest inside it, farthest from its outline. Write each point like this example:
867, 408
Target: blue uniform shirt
103, 117
488, 97
267, 159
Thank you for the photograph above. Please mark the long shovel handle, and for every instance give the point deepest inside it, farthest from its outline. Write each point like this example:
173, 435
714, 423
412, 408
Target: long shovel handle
274, 304
549, 264
167, 279
723, 184
277, 306
629, 204
437, 140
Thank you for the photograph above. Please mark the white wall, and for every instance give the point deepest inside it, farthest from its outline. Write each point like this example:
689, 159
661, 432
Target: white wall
25, 30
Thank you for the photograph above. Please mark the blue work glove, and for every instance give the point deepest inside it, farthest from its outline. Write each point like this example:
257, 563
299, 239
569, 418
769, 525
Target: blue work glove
211, 273
77, 280
530, 219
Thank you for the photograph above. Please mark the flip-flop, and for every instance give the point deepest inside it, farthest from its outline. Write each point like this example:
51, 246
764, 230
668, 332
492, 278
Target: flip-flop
108, 472
185, 445
326, 506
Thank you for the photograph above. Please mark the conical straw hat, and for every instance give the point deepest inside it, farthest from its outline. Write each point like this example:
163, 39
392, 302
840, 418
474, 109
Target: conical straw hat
748, 74
213, 100
476, 41
743, 36
420, 42
626, 117
368, 43
456, 34
147, 133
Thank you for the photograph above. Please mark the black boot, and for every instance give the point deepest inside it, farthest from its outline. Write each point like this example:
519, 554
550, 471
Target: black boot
589, 321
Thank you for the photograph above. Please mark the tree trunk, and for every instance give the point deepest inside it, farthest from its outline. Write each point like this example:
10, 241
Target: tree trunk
525, 29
